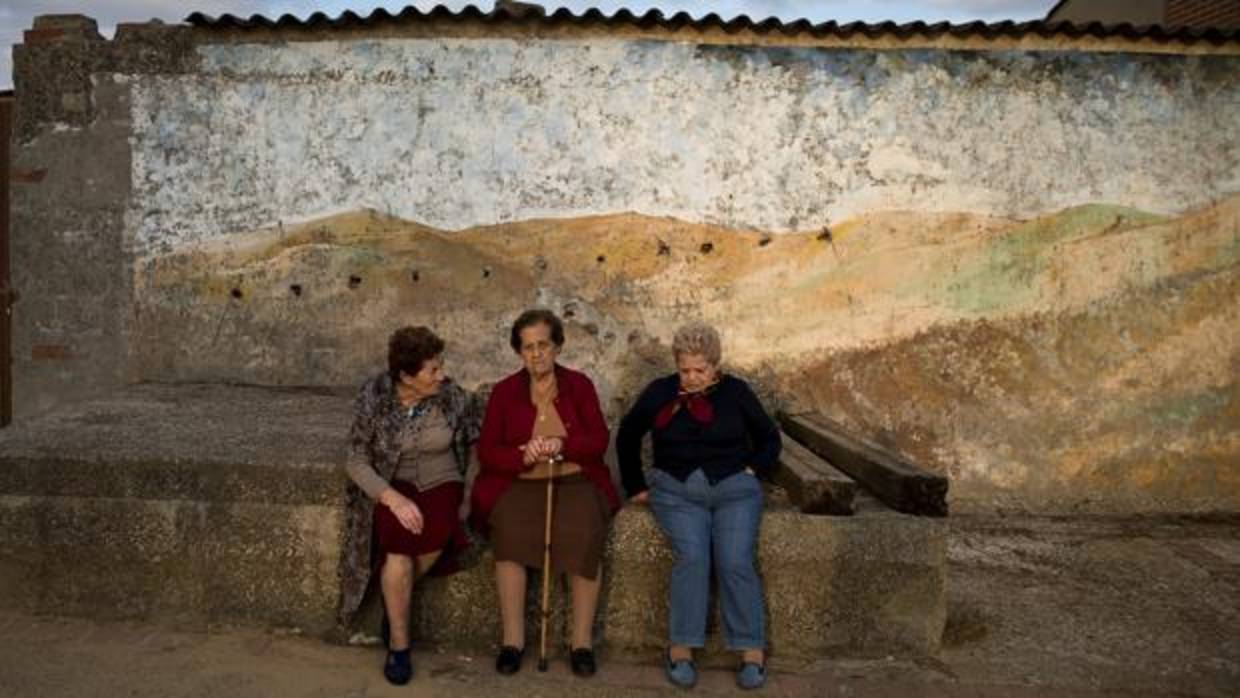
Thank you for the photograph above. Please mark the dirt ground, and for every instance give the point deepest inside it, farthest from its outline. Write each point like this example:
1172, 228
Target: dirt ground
1036, 607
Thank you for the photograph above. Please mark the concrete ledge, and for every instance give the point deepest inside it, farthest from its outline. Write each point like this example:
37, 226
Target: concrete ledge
864, 585
222, 505
179, 560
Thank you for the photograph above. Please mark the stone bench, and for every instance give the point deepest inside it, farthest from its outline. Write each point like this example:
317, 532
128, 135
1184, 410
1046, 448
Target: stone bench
210, 504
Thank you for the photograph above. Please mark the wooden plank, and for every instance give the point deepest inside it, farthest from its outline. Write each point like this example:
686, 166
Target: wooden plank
812, 483
896, 482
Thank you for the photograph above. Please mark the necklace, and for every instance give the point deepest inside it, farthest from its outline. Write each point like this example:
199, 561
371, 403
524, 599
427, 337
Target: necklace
544, 392
411, 403
542, 395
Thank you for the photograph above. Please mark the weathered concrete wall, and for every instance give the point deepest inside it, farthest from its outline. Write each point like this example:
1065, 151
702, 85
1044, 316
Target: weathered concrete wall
72, 252
457, 133
1083, 361
287, 202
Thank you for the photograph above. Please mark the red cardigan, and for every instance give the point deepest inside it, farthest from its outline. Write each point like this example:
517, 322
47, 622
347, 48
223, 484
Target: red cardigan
509, 424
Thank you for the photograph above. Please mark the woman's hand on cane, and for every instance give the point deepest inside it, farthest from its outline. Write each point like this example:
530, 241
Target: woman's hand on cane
552, 446
541, 448
529, 455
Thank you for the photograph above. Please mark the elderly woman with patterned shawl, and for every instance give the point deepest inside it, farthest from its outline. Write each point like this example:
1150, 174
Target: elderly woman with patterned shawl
409, 449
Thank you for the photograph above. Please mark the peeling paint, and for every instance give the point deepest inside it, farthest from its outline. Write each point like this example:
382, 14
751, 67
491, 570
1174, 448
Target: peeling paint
459, 132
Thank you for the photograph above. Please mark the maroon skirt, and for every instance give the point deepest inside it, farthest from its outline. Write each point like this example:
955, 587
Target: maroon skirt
441, 525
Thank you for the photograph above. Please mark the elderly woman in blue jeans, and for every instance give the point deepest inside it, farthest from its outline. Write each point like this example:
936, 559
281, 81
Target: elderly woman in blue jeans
712, 443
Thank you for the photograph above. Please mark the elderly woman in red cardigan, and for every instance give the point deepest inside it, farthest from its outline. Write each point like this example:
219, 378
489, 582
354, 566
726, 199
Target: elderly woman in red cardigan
541, 414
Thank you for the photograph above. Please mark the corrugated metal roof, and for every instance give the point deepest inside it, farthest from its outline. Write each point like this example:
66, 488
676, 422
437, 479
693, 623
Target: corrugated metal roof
654, 18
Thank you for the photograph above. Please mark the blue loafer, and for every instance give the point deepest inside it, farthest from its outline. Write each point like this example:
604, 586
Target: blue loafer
751, 675
398, 668
681, 672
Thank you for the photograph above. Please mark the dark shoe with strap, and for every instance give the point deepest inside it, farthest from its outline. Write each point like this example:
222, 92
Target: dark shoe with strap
751, 675
398, 668
682, 673
508, 661
582, 662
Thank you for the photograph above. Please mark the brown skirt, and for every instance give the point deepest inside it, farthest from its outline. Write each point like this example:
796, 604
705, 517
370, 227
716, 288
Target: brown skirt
578, 528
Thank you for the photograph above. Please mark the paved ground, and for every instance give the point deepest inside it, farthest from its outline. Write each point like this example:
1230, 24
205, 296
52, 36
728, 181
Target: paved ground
1104, 604
1037, 607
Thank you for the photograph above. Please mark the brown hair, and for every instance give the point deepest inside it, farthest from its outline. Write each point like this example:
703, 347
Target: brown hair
409, 348
534, 317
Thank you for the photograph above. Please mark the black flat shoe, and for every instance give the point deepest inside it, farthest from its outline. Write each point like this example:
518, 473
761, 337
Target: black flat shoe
582, 661
508, 661
398, 668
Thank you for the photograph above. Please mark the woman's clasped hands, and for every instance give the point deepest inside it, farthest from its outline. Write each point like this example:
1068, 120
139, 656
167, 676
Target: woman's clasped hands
540, 449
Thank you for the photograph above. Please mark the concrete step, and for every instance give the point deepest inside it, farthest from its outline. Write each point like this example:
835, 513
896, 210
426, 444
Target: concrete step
222, 504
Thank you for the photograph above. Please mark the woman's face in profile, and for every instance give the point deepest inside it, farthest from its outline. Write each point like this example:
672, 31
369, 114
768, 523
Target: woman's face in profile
538, 352
696, 373
426, 381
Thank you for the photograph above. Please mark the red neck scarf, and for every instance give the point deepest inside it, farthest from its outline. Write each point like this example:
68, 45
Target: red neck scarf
696, 404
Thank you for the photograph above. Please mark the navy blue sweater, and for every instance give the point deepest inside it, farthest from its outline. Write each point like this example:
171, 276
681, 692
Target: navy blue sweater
741, 435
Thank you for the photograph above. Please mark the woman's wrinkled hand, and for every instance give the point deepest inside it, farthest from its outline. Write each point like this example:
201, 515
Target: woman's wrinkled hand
405, 511
552, 446
541, 448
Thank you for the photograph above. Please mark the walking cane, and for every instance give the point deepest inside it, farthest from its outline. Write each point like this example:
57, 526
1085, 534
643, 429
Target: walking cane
546, 570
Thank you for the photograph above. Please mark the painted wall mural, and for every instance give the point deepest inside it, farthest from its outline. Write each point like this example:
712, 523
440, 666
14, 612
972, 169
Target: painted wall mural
457, 133
1018, 269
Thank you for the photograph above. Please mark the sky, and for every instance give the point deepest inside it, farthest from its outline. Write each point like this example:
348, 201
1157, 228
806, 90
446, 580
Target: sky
17, 15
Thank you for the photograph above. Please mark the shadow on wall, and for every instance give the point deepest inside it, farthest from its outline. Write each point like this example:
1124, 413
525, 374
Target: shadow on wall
1084, 360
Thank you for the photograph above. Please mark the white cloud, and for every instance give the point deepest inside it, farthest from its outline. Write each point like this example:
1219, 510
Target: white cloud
991, 9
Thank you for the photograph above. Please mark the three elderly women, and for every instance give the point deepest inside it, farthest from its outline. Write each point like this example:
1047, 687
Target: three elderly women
415, 433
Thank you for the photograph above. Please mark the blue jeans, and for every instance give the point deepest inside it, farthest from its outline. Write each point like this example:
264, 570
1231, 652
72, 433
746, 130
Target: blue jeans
704, 522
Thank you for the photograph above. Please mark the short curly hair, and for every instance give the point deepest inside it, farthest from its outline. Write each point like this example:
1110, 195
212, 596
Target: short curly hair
698, 338
409, 348
536, 316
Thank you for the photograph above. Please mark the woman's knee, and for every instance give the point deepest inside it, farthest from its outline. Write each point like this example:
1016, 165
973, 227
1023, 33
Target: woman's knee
398, 564
693, 558
735, 552
507, 571
735, 562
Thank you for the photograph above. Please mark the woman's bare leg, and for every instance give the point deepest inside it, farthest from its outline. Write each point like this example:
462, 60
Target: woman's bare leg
510, 580
680, 653
396, 580
425, 562
585, 604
